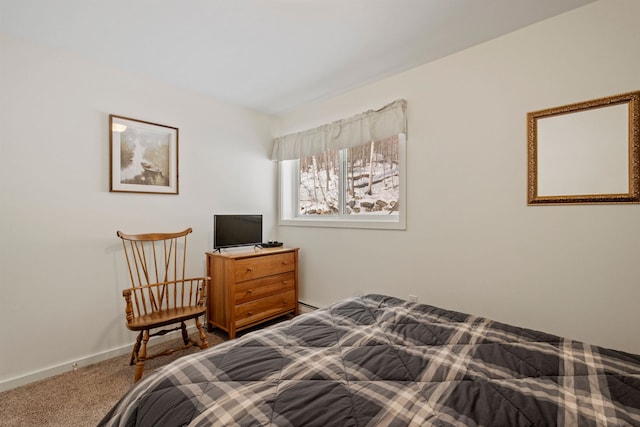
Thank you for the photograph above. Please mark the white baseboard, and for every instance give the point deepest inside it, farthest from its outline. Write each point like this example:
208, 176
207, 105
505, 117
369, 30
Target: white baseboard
79, 363
305, 308
99, 357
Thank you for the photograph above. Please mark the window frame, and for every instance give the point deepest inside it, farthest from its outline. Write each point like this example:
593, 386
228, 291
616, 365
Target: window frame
289, 183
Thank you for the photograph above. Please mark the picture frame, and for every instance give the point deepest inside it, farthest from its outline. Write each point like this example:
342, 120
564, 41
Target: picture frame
143, 156
585, 153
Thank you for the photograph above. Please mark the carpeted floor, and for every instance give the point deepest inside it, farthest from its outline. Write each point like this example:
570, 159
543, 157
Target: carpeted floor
81, 397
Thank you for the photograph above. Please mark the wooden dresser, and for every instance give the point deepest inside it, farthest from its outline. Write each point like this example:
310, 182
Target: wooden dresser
251, 286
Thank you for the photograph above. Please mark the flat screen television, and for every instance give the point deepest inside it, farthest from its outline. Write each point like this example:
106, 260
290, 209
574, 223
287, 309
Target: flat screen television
236, 230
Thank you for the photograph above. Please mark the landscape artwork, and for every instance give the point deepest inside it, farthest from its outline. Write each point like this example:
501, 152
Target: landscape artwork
144, 156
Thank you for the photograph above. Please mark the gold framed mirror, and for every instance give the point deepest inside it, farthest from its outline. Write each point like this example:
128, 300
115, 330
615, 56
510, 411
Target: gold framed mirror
587, 152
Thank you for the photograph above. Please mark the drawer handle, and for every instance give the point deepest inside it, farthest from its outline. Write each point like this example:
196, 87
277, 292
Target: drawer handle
249, 314
285, 262
249, 291
284, 302
249, 269
284, 282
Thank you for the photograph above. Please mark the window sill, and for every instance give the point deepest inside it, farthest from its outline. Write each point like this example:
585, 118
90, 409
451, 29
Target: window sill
373, 222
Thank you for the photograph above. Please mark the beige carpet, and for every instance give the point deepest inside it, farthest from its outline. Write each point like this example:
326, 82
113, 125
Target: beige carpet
81, 397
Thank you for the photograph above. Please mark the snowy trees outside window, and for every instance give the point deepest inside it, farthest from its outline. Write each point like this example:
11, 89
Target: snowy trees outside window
358, 187
362, 180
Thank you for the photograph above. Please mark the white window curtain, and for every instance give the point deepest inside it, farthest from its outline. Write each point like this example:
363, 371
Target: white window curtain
373, 125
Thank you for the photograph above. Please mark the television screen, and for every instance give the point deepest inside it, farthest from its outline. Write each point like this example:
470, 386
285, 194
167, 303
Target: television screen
236, 230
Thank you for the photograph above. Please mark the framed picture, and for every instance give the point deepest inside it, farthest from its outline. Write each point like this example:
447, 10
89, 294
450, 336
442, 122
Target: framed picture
143, 155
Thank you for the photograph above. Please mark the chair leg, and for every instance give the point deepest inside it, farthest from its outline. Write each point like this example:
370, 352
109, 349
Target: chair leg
136, 348
142, 355
203, 337
185, 335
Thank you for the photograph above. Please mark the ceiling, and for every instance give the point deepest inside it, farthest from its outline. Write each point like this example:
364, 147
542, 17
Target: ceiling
269, 55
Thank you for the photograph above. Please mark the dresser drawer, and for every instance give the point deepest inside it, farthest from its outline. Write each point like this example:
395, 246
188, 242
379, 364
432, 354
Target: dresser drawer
259, 288
264, 308
259, 266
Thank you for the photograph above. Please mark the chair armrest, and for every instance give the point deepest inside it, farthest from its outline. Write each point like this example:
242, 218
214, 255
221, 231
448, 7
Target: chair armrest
129, 309
143, 300
203, 291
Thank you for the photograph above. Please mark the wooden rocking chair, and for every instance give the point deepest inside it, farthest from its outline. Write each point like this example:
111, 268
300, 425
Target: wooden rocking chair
160, 295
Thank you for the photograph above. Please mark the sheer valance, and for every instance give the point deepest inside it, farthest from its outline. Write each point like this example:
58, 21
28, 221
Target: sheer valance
372, 125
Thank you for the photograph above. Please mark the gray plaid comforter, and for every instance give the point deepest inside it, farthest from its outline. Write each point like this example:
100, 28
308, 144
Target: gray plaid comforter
380, 361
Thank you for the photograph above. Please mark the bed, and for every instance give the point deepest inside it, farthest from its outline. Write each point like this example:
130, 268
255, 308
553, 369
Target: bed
376, 360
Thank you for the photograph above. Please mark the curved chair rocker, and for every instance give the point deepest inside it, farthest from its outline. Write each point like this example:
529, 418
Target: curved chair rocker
160, 295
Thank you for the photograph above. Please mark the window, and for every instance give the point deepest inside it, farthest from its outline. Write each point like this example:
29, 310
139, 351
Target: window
349, 173
360, 187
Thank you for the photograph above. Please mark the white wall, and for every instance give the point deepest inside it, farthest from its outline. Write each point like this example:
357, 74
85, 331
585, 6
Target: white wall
472, 243
61, 264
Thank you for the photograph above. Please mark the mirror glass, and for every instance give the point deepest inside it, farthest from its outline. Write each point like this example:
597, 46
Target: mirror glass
585, 153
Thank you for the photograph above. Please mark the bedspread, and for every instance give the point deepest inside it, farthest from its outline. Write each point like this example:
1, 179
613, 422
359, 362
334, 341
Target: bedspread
381, 361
